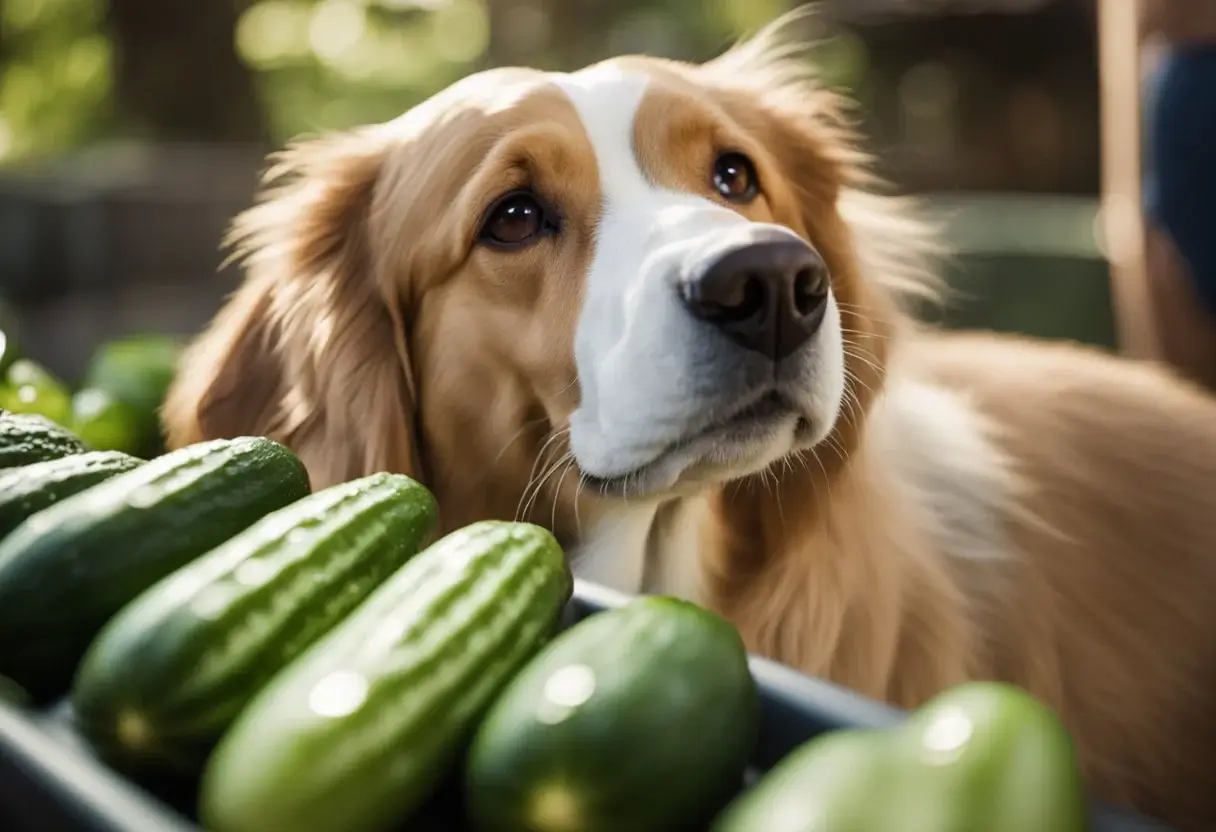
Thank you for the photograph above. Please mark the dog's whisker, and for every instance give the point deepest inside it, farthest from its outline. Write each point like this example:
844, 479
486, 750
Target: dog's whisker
490, 469
867, 358
578, 492
550, 471
537, 461
854, 381
536, 490
557, 489
866, 335
852, 310
535, 482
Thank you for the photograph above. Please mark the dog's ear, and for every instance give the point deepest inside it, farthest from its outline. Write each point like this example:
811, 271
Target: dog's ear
311, 350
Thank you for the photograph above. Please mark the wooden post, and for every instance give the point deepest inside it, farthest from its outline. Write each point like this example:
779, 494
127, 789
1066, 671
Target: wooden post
1122, 212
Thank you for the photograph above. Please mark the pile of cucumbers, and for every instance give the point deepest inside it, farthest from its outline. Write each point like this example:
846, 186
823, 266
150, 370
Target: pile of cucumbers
318, 662
115, 405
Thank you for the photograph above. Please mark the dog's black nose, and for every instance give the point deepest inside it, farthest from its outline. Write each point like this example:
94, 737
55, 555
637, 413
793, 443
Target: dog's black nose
767, 295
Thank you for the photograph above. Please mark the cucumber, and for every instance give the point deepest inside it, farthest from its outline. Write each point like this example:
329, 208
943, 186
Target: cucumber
360, 730
980, 756
640, 718
26, 438
168, 675
65, 571
27, 490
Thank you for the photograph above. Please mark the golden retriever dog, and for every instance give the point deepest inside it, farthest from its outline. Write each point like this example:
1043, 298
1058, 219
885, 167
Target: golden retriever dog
662, 308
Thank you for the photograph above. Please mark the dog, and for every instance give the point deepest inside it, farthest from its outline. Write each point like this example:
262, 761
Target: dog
666, 310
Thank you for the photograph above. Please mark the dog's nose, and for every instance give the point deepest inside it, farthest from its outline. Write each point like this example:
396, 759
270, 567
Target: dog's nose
768, 295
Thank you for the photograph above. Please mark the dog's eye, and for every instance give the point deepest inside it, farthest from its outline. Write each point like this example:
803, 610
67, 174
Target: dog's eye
515, 220
735, 177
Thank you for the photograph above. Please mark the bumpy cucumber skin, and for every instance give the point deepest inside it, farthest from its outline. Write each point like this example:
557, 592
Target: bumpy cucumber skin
641, 718
27, 490
68, 569
26, 438
356, 733
168, 675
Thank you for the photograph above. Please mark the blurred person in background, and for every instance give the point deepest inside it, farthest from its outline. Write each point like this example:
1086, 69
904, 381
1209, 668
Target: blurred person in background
1180, 185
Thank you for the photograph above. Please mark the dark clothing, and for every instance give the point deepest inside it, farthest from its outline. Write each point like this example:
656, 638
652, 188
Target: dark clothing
1180, 187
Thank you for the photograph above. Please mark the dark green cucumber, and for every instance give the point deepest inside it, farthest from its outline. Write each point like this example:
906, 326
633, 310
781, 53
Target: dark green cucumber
27, 490
170, 672
68, 569
26, 438
641, 718
359, 731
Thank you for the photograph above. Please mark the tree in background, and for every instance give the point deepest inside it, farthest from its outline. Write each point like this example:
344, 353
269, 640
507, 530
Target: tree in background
176, 70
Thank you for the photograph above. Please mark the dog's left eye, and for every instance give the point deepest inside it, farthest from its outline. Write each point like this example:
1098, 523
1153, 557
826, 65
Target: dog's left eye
735, 177
515, 220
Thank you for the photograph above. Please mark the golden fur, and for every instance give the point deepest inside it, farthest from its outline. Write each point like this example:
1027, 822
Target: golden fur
372, 334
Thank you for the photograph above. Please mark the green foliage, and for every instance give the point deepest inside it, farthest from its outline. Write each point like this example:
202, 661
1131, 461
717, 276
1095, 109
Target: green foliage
336, 63
326, 64
55, 76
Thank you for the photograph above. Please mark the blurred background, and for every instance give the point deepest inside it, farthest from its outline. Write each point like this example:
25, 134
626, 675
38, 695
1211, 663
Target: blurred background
132, 130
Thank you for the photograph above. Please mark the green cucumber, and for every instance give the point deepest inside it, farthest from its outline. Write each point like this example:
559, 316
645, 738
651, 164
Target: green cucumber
983, 756
27, 490
168, 675
68, 569
359, 731
26, 438
640, 718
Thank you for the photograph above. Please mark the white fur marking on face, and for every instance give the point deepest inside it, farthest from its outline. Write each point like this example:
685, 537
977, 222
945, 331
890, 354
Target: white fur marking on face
940, 449
629, 368
642, 360
652, 376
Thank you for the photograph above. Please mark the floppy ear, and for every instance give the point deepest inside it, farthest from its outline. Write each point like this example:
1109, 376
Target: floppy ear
311, 349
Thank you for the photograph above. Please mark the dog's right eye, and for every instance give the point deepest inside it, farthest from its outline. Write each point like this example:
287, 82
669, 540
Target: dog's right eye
515, 220
735, 178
